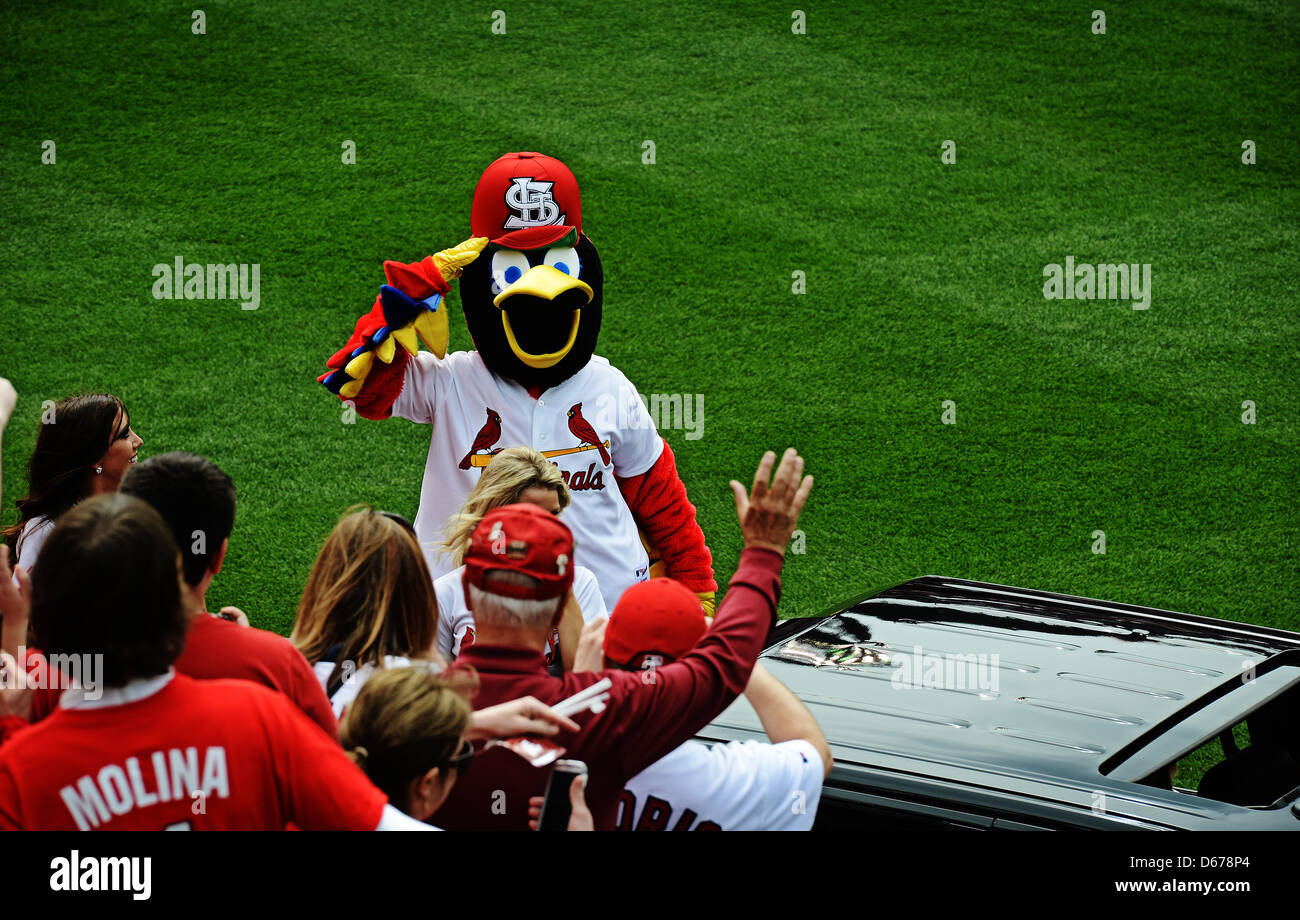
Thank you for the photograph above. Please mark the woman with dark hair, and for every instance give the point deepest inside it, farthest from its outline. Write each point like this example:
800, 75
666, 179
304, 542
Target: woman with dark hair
84, 448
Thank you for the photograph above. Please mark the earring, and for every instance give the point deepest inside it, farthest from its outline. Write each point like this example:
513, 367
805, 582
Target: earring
98, 470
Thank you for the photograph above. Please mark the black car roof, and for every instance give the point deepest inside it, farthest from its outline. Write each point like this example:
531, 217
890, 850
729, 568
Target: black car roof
1075, 680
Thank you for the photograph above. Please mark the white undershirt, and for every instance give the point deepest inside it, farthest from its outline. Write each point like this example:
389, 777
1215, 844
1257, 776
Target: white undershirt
131, 692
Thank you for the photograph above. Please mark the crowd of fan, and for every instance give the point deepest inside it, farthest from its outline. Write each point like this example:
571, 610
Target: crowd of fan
127, 704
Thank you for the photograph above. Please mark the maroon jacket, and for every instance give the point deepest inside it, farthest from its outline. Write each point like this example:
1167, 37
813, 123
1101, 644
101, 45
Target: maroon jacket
647, 714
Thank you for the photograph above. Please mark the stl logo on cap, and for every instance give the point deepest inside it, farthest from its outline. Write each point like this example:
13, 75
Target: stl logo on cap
532, 203
498, 537
526, 201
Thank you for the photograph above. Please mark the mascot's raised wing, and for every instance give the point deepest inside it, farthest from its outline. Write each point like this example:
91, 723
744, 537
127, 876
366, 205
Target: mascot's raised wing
531, 285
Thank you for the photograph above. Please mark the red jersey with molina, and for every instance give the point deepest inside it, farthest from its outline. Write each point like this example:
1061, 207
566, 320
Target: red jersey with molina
200, 755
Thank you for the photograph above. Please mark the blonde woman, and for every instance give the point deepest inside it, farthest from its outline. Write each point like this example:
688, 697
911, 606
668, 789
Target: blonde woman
412, 732
517, 474
368, 605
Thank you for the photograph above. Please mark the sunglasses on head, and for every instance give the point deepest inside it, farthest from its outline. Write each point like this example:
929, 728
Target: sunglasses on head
461, 760
397, 518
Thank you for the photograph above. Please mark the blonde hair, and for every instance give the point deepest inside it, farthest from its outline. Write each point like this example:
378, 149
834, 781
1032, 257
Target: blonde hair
509, 475
369, 593
404, 722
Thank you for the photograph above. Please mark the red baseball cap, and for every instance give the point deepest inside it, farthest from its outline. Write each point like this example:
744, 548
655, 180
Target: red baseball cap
654, 622
526, 201
520, 538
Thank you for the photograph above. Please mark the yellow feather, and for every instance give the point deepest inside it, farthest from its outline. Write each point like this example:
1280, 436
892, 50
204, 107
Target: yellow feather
359, 366
433, 329
452, 261
407, 339
385, 350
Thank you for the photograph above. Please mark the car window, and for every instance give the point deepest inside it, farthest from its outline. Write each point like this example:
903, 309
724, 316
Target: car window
1189, 769
1239, 745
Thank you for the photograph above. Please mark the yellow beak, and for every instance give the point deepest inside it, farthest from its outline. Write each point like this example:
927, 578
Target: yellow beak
547, 283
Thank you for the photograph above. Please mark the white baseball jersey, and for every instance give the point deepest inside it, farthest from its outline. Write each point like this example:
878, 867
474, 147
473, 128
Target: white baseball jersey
455, 619
352, 684
738, 786
463, 400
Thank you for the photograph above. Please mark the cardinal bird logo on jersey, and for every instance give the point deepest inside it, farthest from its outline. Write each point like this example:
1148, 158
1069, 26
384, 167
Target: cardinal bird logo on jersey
583, 431
488, 435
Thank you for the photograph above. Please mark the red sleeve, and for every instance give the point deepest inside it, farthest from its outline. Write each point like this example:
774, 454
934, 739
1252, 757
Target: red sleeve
705, 680
217, 649
310, 695
383, 383
659, 504
383, 386
9, 726
320, 787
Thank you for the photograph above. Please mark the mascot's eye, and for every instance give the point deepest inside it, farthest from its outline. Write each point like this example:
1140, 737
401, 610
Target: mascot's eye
564, 259
508, 266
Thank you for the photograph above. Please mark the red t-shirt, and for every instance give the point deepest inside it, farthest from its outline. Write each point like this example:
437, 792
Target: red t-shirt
200, 755
217, 649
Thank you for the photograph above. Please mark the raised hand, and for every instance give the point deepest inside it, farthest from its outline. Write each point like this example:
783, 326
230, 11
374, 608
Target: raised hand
769, 513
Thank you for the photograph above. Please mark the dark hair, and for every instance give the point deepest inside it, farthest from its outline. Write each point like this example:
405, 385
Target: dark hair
196, 500
108, 585
67, 447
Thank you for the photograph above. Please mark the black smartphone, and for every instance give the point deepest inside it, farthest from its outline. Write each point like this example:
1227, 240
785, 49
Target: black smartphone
556, 809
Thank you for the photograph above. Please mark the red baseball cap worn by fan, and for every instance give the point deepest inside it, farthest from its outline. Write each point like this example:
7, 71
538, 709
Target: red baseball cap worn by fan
526, 201
654, 622
525, 539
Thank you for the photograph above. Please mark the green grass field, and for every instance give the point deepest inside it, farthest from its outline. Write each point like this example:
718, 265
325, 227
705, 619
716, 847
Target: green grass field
774, 153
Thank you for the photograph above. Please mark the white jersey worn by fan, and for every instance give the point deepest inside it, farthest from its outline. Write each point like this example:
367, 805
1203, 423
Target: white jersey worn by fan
353, 680
463, 400
455, 619
738, 786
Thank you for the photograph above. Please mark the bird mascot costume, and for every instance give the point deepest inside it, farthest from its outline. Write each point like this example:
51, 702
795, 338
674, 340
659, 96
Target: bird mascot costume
530, 287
